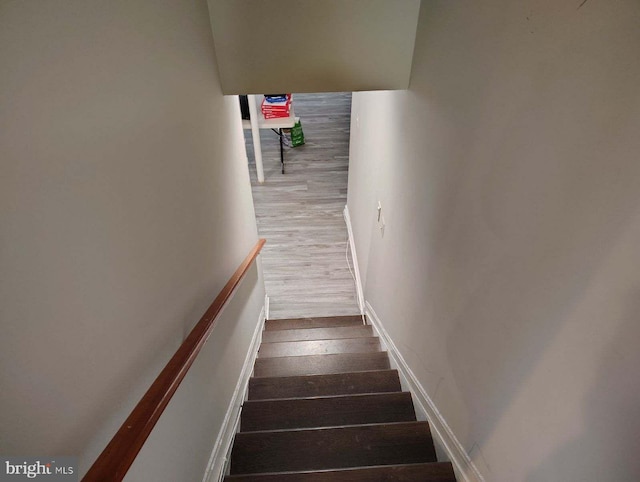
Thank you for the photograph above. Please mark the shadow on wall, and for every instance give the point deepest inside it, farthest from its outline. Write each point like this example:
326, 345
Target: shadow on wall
533, 338
607, 426
510, 216
507, 324
197, 411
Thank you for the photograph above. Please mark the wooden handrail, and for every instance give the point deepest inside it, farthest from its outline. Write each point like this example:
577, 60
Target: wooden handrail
115, 460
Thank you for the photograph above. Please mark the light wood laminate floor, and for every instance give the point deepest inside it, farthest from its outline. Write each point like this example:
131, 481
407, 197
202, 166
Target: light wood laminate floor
300, 212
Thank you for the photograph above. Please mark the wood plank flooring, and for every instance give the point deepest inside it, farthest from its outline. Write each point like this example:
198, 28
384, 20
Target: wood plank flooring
300, 212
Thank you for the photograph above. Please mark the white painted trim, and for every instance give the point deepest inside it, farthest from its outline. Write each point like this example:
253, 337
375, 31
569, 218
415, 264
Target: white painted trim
224, 441
463, 466
266, 307
354, 257
255, 135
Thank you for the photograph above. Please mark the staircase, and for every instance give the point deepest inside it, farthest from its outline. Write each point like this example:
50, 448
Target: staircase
324, 405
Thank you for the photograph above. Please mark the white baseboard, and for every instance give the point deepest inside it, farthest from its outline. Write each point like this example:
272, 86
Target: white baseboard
354, 257
443, 436
224, 441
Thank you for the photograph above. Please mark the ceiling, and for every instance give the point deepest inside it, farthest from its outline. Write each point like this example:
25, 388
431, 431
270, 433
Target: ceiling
269, 46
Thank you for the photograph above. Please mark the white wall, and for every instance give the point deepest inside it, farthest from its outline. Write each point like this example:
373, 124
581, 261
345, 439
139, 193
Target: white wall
180, 444
311, 46
508, 270
125, 206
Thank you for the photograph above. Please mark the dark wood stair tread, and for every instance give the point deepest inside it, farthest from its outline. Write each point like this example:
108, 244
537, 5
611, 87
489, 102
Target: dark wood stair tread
320, 322
321, 385
333, 333
319, 347
327, 411
332, 448
320, 364
323, 405
427, 472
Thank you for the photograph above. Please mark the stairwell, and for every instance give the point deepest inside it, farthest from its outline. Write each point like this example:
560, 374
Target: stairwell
324, 405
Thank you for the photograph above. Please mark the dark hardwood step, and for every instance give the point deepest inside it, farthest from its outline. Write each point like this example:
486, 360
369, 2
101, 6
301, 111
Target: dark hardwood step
326, 411
429, 472
321, 322
332, 448
320, 364
319, 347
335, 333
323, 385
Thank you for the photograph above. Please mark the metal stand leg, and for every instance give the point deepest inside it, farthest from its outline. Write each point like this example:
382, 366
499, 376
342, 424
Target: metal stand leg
281, 150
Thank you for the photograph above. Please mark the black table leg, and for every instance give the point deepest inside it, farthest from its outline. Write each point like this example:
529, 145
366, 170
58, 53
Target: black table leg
281, 150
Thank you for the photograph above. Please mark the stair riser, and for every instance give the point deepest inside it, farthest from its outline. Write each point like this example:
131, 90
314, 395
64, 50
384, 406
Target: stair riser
309, 334
327, 412
320, 364
324, 385
286, 451
324, 322
319, 347
433, 472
